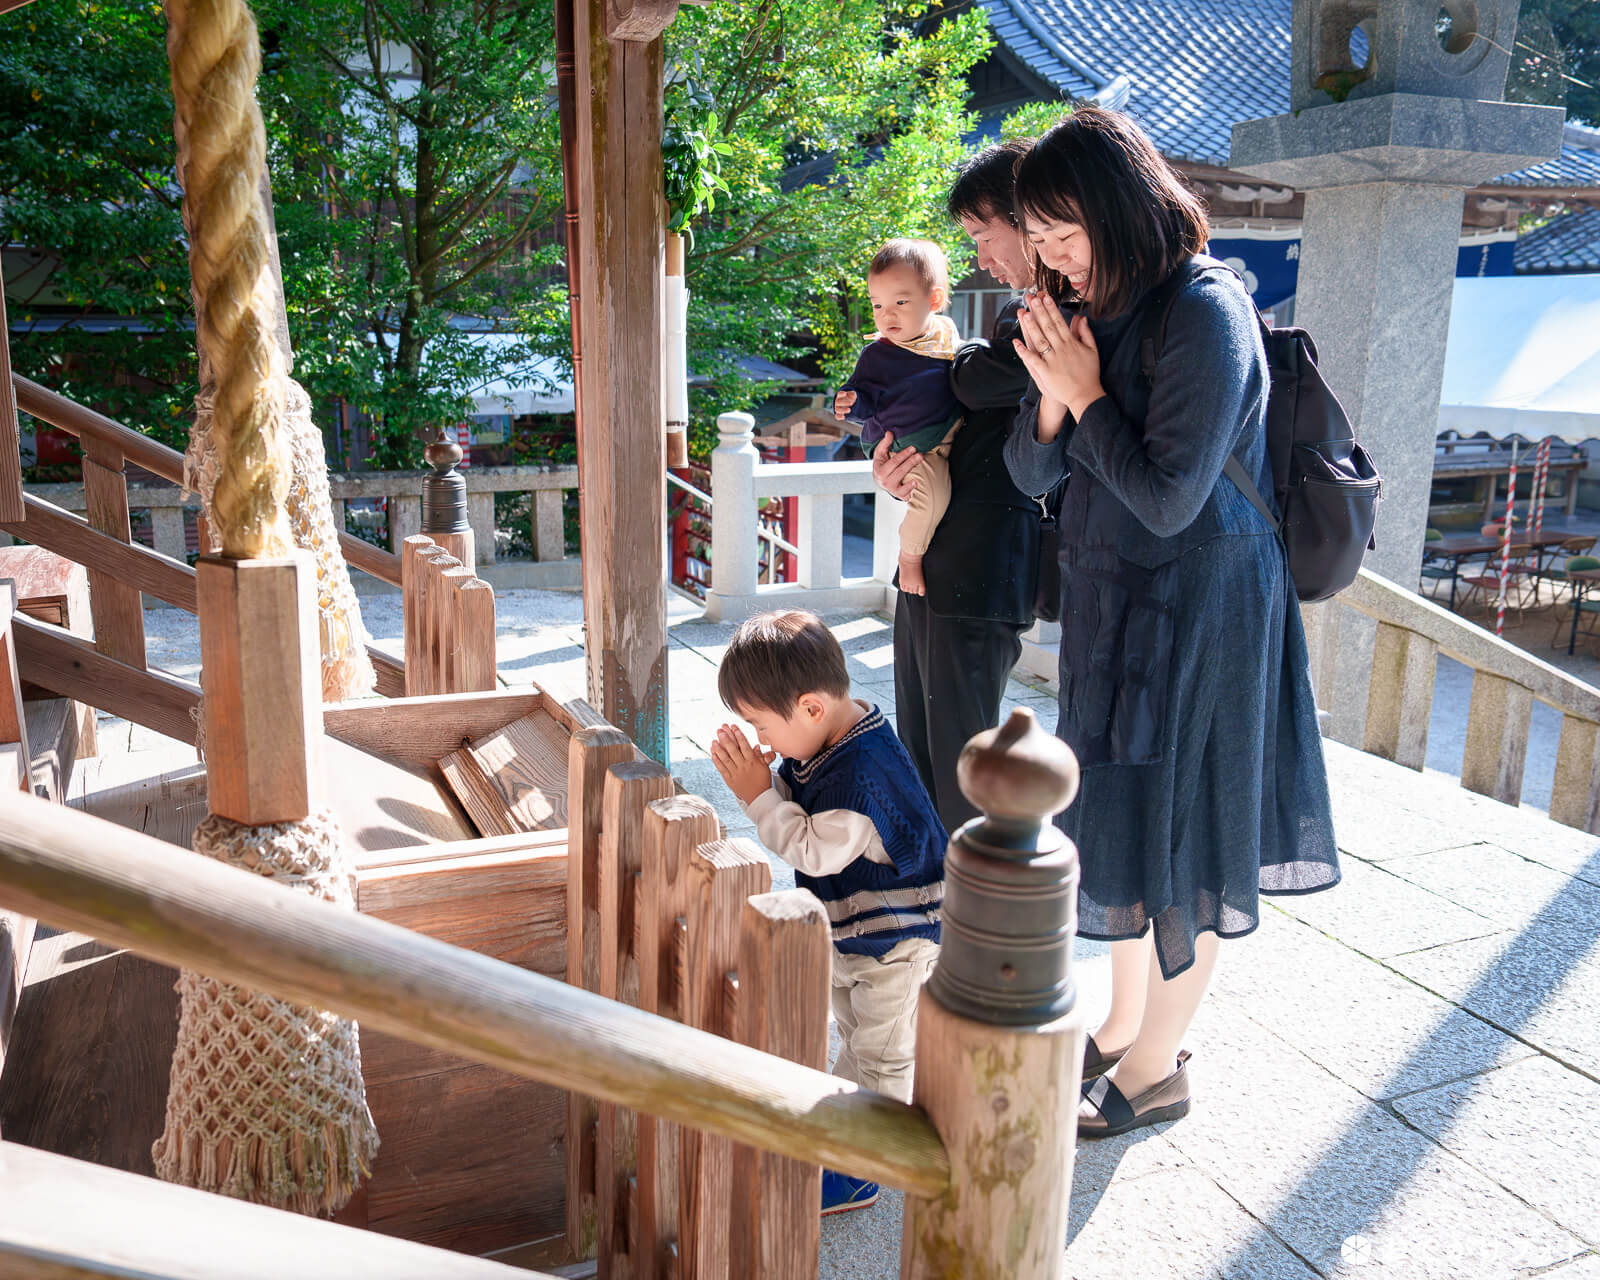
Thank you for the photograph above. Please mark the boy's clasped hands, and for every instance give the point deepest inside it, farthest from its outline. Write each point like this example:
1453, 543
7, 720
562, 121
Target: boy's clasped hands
744, 766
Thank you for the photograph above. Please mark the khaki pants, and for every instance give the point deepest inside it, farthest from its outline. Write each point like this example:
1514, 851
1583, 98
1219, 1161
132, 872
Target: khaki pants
930, 499
875, 1007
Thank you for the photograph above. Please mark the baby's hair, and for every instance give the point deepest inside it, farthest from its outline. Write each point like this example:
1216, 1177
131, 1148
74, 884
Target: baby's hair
922, 256
776, 658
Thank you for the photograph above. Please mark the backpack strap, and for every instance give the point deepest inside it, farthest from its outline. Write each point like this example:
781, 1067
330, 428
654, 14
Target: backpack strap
1153, 338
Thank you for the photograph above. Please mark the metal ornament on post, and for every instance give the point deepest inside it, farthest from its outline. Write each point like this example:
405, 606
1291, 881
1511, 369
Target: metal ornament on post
444, 499
999, 1039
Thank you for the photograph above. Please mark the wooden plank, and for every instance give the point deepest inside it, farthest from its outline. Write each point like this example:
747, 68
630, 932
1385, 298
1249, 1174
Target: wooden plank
417, 731
75, 872
590, 755
629, 788
73, 667
13, 719
431, 565
263, 705
476, 794
383, 806
1497, 737
785, 957
54, 742
722, 874
673, 829
524, 768
11, 504
76, 539
391, 675
16, 942
411, 609
1575, 797
99, 1025
1401, 701
69, 1218
475, 663
118, 608
468, 850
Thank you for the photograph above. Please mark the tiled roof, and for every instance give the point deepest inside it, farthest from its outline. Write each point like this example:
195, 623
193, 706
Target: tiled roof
1198, 67
1568, 243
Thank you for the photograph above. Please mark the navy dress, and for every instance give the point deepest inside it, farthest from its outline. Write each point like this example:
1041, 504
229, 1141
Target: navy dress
1185, 690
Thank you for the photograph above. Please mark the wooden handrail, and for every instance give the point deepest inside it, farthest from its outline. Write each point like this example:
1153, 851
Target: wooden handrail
75, 538
63, 663
84, 423
77, 872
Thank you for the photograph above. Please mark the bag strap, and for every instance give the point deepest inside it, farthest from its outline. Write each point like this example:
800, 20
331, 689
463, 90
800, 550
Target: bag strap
1235, 472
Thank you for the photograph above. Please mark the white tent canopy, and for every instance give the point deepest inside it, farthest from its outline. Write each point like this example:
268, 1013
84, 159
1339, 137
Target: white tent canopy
1524, 357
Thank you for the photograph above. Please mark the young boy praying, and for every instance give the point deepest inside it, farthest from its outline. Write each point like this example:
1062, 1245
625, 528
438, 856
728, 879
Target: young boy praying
848, 812
901, 385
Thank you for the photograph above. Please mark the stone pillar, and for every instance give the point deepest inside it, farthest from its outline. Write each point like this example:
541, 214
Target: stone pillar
1385, 152
733, 519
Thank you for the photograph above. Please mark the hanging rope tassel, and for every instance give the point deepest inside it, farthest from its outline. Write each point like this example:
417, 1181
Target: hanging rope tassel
266, 1100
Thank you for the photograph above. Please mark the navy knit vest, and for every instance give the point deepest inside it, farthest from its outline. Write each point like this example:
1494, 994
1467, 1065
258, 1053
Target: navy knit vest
871, 906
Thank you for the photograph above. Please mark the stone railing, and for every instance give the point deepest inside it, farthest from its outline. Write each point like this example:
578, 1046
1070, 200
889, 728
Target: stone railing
171, 517
741, 481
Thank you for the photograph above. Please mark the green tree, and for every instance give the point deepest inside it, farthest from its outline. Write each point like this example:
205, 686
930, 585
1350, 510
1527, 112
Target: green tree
87, 196
842, 121
1556, 60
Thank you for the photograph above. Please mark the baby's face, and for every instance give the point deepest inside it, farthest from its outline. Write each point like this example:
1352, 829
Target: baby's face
901, 303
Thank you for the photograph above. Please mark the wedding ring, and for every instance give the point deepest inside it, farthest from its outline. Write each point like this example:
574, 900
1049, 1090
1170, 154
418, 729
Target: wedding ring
1044, 351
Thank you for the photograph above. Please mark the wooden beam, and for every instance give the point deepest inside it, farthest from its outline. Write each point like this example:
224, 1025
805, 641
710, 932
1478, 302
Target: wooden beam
75, 872
84, 423
417, 732
63, 663
620, 255
13, 720
11, 507
639, 19
63, 1218
75, 538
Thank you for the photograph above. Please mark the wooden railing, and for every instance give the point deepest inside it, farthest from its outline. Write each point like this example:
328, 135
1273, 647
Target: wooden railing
1411, 634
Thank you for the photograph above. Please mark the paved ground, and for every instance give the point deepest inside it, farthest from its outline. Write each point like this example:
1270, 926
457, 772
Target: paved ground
1397, 1078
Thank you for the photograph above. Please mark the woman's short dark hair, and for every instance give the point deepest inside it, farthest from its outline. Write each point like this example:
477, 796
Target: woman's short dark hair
776, 658
1097, 169
982, 189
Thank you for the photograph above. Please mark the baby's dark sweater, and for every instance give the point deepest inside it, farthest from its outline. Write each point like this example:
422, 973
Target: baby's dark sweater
901, 391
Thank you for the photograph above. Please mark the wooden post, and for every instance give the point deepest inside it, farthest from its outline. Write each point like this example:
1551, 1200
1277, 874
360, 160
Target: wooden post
590, 755
785, 955
999, 1039
475, 658
619, 250
411, 599
430, 563
11, 507
13, 721
460, 545
673, 828
117, 606
628, 789
451, 640
261, 671
722, 874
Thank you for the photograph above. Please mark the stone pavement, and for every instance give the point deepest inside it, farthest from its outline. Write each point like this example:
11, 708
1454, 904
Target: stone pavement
1397, 1078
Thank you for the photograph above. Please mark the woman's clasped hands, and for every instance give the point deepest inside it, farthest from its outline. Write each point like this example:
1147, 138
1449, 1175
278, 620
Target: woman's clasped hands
1060, 355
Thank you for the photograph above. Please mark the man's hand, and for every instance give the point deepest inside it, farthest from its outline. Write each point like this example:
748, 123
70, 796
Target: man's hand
843, 403
746, 768
892, 472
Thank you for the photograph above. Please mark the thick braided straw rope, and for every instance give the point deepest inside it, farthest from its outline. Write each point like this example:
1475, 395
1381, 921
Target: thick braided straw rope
346, 669
215, 54
267, 1102
266, 1099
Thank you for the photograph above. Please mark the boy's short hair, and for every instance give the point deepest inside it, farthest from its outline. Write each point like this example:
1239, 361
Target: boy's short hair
775, 658
985, 184
922, 256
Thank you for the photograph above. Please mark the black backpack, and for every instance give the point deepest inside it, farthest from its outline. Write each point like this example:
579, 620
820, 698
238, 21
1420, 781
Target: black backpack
1326, 485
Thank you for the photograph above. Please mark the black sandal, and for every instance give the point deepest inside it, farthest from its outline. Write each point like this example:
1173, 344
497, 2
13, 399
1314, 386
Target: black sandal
1096, 1062
1166, 1100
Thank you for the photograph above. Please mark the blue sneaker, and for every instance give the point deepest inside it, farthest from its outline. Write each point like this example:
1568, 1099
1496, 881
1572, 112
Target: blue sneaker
841, 1193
